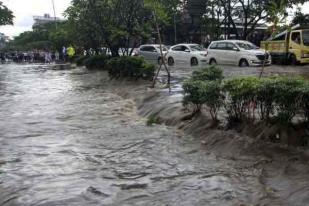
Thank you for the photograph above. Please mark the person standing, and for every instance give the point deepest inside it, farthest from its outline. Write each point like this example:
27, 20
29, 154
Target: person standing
71, 52
64, 53
46, 57
50, 59
57, 56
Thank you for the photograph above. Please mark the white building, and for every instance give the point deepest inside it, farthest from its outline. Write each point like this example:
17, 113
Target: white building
39, 20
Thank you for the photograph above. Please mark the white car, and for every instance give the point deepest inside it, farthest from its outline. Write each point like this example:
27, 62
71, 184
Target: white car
187, 53
151, 52
236, 52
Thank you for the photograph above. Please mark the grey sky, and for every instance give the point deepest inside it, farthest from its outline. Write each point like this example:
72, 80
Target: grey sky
24, 10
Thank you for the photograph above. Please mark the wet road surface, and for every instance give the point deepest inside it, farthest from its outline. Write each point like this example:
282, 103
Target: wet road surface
65, 139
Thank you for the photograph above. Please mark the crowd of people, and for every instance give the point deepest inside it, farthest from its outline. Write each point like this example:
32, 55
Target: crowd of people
38, 56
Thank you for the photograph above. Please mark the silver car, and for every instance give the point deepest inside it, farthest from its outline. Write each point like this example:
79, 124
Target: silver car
151, 52
237, 52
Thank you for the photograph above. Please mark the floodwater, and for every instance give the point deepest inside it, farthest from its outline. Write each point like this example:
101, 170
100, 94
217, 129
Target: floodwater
66, 139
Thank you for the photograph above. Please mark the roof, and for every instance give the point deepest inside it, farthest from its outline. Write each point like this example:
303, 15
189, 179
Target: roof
185, 44
233, 41
296, 27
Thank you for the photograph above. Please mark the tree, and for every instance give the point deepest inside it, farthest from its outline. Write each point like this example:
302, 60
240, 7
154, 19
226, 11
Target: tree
114, 23
6, 16
45, 36
250, 13
159, 16
212, 22
300, 18
277, 14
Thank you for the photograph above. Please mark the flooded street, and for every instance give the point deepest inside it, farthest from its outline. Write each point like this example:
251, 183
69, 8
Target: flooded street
66, 139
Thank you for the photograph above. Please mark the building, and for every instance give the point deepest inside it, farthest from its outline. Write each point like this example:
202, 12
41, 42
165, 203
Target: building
192, 20
193, 29
39, 20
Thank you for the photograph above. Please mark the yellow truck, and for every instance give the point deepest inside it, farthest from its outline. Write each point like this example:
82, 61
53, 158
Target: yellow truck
289, 47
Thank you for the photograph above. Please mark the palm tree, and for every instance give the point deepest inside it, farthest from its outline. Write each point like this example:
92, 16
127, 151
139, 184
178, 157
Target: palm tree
277, 14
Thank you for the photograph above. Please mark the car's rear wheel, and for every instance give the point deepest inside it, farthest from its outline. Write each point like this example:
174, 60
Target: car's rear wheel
243, 63
160, 61
213, 62
194, 61
170, 61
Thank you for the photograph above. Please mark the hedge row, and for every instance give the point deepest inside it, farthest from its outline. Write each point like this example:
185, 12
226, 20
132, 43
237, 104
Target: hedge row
247, 98
204, 88
132, 67
119, 67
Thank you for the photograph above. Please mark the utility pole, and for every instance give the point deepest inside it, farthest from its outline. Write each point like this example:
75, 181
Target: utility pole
54, 13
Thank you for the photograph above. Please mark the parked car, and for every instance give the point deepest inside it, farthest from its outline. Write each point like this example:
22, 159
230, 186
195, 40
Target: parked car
151, 52
236, 52
187, 53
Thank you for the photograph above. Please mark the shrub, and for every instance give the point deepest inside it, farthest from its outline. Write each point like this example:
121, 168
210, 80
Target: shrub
212, 97
211, 73
96, 62
304, 103
130, 67
272, 96
80, 60
73, 58
266, 98
192, 94
241, 97
199, 93
280, 98
287, 95
152, 119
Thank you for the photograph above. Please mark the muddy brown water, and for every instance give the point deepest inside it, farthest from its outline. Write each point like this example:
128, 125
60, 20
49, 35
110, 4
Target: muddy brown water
67, 139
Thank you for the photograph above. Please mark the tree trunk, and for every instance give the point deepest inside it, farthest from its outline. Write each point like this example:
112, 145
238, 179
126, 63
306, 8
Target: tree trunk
162, 58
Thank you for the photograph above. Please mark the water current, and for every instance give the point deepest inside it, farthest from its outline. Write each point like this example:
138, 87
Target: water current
66, 139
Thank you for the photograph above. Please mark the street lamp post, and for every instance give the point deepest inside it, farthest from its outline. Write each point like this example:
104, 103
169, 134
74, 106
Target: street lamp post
54, 13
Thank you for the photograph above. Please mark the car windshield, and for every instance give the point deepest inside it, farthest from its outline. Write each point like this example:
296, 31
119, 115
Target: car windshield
163, 48
196, 48
246, 46
306, 37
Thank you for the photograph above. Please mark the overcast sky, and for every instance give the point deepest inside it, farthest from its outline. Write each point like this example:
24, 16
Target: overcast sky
24, 10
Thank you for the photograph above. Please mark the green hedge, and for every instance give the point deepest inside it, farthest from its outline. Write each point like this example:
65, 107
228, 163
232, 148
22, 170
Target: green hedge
130, 67
119, 67
279, 98
79, 61
211, 73
204, 88
240, 93
304, 101
96, 62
